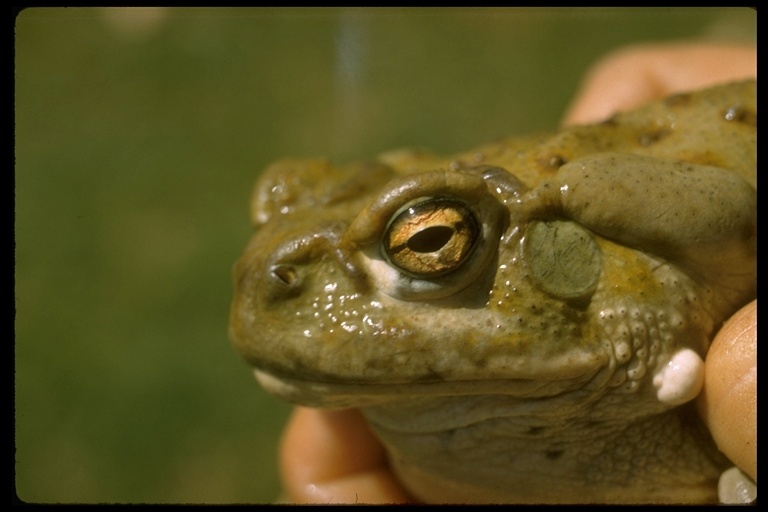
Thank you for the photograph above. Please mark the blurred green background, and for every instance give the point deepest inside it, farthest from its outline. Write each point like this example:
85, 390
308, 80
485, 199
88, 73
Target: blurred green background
139, 133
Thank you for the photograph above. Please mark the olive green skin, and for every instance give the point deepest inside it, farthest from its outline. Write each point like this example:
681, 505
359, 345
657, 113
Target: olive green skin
522, 361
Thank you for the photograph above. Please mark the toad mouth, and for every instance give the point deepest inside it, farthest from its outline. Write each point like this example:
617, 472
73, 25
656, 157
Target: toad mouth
365, 394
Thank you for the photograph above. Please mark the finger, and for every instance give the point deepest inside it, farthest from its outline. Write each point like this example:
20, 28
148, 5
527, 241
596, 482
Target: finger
728, 402
637, 74
332, 457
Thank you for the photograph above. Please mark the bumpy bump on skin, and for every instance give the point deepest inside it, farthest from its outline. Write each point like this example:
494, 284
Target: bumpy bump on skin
681, 380
736, 488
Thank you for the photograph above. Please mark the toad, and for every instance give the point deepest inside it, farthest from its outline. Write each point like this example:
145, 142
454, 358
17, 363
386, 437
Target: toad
520, 323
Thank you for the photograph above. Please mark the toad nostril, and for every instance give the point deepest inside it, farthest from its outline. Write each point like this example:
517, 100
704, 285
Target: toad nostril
285, 273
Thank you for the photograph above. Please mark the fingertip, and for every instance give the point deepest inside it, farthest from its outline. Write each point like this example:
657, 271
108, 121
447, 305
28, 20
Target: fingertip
728, 403
634, 75
617, 82
333, 457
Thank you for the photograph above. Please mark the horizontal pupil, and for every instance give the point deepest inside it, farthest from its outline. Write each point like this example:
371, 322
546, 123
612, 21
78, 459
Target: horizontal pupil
431, 239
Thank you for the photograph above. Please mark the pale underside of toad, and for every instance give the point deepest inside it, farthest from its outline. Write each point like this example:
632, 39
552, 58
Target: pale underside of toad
522, 323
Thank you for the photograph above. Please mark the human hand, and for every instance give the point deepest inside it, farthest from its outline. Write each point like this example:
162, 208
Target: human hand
332, 456
728, 402
634, 75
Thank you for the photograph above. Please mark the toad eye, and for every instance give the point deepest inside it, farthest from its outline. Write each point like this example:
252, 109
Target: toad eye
432, 237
